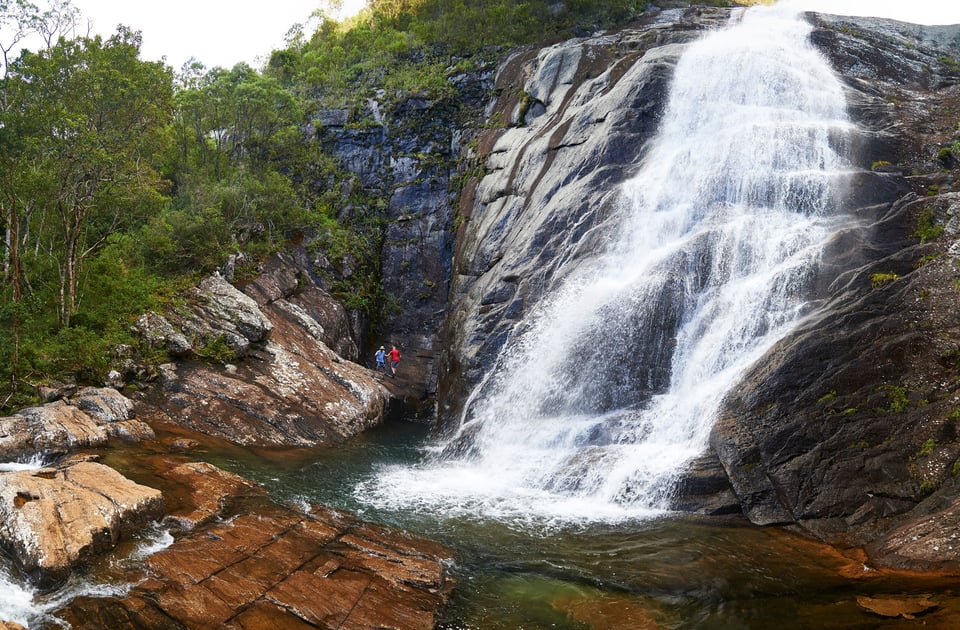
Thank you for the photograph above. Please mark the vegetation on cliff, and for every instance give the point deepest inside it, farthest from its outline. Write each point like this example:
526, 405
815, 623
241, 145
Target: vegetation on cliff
121, 180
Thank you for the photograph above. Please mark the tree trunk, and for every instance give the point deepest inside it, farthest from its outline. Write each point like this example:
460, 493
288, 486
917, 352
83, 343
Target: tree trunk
72, 226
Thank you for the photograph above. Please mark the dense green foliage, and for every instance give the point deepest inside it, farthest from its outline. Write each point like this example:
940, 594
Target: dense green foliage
121, 180
405, 46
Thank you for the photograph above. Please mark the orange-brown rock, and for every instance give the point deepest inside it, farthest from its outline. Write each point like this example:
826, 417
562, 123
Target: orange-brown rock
906, 607
53, 518
279, 568
205, 489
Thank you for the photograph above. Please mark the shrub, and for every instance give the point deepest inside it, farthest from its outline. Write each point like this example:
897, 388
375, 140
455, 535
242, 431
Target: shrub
880, 279
897, 396
927, 227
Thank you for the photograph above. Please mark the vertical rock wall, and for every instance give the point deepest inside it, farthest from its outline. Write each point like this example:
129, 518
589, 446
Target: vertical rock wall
569, 124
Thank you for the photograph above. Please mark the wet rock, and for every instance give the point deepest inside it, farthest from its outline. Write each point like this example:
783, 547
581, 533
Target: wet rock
906, 607
202, 492
53, 518
844, 427
705, 489
10, 625
610, 611
930, 542
582, 111
184, 444
283, 569
88, 419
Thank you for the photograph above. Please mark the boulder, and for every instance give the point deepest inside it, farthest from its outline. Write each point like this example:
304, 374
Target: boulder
158, 332
90, 418
283, 384
218, 319
296, 392
51, 519
285, 288
219, 311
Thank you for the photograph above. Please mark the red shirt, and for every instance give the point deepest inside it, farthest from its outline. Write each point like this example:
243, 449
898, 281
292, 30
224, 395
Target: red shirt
394, 355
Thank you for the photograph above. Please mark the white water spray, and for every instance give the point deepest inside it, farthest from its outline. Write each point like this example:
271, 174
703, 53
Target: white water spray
614, 383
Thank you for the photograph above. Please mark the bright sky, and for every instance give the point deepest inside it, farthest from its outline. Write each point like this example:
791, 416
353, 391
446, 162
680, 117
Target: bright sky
916, 11
217, 32
224, 32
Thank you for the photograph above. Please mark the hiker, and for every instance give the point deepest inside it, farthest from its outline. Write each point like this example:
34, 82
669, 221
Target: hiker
394, 355
381, 356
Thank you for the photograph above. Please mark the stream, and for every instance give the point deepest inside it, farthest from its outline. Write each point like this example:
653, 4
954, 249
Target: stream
672, 571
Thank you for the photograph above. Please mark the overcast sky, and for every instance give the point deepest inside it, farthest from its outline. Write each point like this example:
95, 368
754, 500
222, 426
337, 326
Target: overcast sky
917, 11
224, 32
217, 32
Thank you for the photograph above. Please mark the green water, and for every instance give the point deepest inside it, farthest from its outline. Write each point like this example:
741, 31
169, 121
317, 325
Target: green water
672, 572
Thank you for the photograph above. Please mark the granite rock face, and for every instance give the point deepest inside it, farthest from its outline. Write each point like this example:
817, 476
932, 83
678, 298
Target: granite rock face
278, 382
848, 426
576, 118
51, 519
89, 418
406, 152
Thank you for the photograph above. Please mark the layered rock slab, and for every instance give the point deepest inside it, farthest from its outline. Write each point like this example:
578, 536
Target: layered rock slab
89, 418
279, 568
274, 381
53, 518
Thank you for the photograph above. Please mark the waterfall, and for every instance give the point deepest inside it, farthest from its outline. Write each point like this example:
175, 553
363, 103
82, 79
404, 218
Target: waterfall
604, 394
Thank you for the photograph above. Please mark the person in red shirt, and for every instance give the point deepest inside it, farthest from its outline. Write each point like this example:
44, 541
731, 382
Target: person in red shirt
394, 355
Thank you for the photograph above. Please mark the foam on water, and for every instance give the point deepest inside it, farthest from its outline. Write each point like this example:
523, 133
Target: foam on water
612, 385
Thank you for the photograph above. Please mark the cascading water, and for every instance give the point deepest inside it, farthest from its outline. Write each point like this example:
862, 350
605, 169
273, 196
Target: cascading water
614, 383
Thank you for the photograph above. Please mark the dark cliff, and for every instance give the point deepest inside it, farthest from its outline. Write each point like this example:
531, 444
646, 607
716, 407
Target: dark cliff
848, 427
406, 153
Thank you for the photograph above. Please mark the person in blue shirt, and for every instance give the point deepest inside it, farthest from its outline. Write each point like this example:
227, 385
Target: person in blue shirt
381, 357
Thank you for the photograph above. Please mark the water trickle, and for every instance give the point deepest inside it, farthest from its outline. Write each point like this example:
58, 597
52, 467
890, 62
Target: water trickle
614, 383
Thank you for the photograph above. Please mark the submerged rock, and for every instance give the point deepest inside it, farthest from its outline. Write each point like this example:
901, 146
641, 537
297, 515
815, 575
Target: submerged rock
53, 518
906, 607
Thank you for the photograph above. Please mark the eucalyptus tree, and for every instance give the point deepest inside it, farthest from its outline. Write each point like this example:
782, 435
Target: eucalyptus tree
97, 116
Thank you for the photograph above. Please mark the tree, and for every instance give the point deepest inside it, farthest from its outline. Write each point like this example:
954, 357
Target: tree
19, 19
17, 22
97, 114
